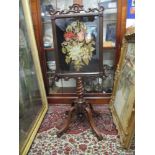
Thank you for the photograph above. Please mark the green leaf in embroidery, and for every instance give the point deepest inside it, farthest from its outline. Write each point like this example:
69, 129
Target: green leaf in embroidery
86, 61
92, 49
63, 50
67, 59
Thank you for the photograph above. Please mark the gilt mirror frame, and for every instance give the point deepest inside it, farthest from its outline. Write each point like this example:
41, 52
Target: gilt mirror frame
123, 96
34, 126
77, 14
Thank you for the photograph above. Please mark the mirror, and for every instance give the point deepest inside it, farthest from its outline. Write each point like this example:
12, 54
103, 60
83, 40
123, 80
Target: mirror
32, 97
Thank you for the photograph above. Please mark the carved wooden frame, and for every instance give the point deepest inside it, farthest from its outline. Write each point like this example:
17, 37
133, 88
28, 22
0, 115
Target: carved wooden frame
125, 122
77, 10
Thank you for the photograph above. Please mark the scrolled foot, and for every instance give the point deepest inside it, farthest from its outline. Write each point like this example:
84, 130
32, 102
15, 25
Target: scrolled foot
99, 137
59, 134
92, 124
67, 122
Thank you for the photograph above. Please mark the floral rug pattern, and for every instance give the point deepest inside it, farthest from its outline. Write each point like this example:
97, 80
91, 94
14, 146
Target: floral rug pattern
79, 139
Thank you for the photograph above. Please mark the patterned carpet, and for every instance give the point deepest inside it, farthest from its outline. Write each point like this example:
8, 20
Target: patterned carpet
79, 139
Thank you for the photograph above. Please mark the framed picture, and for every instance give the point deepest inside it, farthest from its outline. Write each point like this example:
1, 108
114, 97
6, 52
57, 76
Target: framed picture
111, 32
123, 96
78, 42
32, 96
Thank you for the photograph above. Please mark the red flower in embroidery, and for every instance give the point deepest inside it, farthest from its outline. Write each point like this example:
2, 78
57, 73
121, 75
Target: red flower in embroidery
69, 35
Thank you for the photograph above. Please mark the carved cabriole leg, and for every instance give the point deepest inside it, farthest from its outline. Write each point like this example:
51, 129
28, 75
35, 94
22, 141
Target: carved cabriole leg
66, 124
91, 107
91, 121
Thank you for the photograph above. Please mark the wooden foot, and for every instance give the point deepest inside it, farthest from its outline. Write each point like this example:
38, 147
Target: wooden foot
92, 124
66, 124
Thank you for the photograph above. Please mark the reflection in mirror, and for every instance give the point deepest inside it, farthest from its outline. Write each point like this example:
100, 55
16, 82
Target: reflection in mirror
47, 5
30, 102
48, 35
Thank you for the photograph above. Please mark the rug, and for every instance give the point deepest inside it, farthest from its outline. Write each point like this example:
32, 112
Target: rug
79, 138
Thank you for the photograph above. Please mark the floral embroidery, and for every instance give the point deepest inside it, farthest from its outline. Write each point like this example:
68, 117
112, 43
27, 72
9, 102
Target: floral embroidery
78, 45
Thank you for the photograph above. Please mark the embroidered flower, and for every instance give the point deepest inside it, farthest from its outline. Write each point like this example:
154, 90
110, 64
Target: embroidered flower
69, 35
77, 47
80, 36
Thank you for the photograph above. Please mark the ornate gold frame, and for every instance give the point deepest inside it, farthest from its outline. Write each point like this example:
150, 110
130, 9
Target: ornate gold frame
32, 133
125, 118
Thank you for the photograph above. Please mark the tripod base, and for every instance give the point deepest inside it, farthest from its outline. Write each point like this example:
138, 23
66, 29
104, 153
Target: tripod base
80, 107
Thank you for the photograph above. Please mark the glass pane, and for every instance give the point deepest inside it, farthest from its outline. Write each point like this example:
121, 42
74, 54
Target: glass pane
93, 85
109, 22
100, 85
110, 16
46, 5
47, 35
108, 67
109, 57
78, 44
50, 61
109, 33
107, 82
47, 26
90, 4
62, 5
55, 86
88, 85
110, 7
69, 86
30, 102
62, 86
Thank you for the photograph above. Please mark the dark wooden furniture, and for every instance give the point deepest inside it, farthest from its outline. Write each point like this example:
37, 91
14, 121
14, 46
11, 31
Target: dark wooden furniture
68, 94
82, 109
78, 37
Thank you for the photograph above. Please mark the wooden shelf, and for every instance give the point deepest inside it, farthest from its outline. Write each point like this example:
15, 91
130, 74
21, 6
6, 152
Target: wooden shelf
49, 49
68, 98
47, 22
50, 73
109, 47
72, 91
68, 93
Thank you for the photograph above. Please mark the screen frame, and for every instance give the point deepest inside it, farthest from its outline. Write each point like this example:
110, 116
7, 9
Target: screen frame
100, 27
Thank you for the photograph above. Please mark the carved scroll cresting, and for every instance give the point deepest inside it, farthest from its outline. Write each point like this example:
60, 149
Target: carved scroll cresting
75, 8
